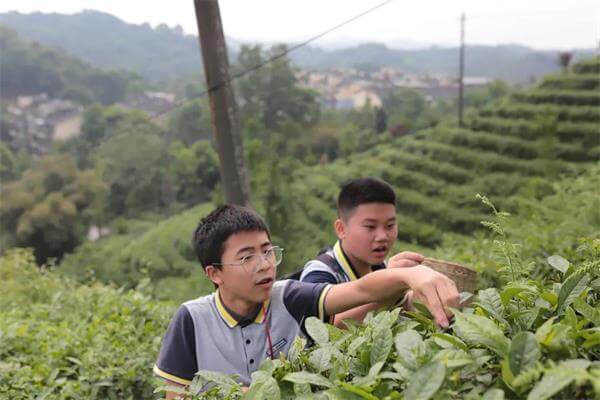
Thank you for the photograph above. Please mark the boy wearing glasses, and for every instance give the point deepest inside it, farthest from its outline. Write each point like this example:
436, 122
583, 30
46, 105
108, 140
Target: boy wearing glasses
251, 316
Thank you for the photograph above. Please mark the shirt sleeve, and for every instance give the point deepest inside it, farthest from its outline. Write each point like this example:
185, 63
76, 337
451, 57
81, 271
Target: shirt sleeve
177, 358
304, 299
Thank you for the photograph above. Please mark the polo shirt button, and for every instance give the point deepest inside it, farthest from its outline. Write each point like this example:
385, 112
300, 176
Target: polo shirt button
247, 341
252, 361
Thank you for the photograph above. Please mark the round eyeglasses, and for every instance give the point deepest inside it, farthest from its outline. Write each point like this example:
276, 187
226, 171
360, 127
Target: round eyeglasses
253, 262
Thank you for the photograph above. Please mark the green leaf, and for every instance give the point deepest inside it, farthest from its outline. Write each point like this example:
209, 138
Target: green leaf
317, 330
479, 330
341, 394
493, 394
269, 366
307, 377
255, 392
271, 389
74, 360
376, 368
426, 382
265, 388
356, 343
297, 347
382, 345
572, 287
590, 313
357, 391
320, 359
407, 345
442, 339
302, 388
558, 263
222, 380
515, 290
489, 300
524, 352
544, 330
453, 358
552, 383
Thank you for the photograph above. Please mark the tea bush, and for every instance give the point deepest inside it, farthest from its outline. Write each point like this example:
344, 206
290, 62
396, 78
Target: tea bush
524, 339
62, 340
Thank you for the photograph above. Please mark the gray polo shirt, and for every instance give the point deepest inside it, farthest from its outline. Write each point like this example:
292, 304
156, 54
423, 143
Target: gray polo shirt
205, 335
317, 271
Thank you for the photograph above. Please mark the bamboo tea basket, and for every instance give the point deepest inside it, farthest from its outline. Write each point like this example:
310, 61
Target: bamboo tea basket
464, 278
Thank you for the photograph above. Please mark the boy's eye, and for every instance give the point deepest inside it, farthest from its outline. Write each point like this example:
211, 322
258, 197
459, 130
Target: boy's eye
247, 259
369, 226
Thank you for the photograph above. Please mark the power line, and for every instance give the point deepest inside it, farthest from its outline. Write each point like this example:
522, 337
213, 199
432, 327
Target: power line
270, 60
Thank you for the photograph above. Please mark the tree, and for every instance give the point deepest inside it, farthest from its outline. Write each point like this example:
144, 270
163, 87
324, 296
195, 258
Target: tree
564, 59
50, 207
272, 91
190, 123
12, 164
132, 164
195, 171
380, 120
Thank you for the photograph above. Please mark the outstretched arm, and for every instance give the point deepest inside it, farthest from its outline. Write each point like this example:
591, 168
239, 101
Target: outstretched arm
433, 288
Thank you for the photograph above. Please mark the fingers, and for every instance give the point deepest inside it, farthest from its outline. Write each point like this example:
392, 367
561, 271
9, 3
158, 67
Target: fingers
435, 306
439, 295
452, 298
449, 297
406, 259
400, 263
408, 301
408, 255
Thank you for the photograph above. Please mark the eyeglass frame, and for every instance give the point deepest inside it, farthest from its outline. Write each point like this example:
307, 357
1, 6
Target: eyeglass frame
262, 257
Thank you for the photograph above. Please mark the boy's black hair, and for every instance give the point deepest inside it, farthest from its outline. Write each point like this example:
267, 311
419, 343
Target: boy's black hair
214, 229
362, 191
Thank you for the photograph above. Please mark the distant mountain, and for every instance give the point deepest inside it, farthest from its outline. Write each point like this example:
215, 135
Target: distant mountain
513, 63
103, 40
163, 53
29, 68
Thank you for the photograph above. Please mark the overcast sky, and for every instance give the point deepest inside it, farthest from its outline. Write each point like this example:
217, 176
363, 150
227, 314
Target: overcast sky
542, 24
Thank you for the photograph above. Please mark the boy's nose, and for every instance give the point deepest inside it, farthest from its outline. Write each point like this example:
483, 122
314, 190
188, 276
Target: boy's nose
263, 264
381, 234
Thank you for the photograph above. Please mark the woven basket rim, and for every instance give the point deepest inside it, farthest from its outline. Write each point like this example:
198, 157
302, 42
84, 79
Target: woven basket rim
458, 268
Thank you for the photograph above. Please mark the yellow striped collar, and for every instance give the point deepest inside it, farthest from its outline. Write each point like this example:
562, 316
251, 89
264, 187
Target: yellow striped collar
343, 260
230, 320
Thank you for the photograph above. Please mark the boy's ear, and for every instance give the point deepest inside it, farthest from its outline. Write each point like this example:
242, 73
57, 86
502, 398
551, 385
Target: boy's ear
340, 228
214, 274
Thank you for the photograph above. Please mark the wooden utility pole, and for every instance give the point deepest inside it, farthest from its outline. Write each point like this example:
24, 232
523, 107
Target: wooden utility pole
461, 71
224, 111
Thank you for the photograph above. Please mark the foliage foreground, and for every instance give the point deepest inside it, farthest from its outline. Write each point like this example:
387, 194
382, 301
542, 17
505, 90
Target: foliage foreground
527, 339
532, 332
62, 340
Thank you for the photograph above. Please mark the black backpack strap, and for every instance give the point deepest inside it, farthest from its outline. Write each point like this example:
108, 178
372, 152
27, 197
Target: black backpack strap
293, 275
321, 256
329, 261
324, 250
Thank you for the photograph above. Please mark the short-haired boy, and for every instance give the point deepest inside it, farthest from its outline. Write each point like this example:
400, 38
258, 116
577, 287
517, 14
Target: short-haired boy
366, 229
251, 316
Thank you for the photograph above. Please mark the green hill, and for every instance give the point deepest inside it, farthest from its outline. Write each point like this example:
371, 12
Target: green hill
30, 68
515, 149
161, 252
105, 41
